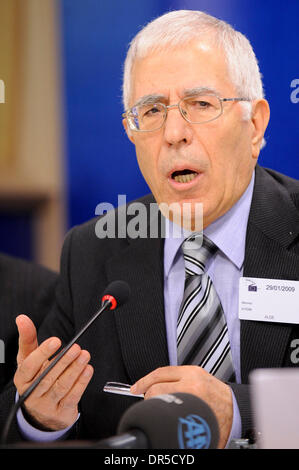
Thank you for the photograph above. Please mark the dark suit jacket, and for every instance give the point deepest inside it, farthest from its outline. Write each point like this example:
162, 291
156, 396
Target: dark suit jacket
129, 342
24, 288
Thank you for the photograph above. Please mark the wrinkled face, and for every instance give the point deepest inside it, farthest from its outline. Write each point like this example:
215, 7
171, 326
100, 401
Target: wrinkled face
218, 155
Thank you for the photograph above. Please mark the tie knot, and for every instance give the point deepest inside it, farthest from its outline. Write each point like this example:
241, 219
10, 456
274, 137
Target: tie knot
197, 249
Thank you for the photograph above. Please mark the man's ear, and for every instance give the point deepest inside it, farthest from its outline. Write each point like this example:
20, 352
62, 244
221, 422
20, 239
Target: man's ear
128, 131
260, 118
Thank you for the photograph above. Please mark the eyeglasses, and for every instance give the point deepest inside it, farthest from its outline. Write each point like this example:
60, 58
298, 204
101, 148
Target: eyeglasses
197, 109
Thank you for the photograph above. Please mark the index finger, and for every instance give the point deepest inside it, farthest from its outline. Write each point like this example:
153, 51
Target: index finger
33, 363
162, 374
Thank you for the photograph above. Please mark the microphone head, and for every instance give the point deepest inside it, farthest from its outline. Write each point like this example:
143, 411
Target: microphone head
174, 421
117, 292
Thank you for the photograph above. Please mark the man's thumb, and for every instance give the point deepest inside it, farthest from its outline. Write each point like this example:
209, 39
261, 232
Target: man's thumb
27, 337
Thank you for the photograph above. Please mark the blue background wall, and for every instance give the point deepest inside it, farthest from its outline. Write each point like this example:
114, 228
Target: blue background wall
101, 160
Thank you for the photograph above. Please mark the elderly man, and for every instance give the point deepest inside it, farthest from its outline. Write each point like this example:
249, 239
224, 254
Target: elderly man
195, 111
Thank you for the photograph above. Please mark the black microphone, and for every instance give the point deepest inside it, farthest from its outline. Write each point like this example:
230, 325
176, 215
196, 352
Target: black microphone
116, 294
173, 421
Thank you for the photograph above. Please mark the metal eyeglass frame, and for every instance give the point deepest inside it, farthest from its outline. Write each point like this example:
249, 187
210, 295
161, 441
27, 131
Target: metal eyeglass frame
167, 107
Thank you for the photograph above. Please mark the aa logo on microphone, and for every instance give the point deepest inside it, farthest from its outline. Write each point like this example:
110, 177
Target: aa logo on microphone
193, 433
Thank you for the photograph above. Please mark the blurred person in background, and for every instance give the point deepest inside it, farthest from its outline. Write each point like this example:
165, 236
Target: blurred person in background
24, 288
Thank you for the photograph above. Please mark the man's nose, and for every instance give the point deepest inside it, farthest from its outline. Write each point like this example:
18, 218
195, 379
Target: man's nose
176, 129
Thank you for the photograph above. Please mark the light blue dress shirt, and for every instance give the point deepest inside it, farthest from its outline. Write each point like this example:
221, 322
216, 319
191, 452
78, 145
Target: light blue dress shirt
225, 269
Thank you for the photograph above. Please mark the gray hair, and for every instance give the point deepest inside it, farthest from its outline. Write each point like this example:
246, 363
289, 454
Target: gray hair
177, 28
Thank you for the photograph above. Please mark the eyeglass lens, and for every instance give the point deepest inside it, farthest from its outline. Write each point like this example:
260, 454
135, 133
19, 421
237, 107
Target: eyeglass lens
195, 109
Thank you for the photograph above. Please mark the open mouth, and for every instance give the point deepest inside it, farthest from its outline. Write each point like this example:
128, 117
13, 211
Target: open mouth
184, 176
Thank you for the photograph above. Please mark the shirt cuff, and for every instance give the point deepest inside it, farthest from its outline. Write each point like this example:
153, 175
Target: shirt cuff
236, 429
36, 435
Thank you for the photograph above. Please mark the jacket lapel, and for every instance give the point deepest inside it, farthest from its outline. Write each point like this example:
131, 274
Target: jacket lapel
140, 322
273, 226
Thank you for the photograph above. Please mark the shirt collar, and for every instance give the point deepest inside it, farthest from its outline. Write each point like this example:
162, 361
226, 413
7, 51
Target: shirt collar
228, 232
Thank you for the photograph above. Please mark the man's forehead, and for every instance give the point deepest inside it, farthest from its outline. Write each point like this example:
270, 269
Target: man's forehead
165, 74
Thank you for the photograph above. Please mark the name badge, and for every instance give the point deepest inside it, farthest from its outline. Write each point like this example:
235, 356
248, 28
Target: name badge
269, 300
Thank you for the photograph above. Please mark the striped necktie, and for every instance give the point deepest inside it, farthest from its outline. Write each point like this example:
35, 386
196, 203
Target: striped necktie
202, 335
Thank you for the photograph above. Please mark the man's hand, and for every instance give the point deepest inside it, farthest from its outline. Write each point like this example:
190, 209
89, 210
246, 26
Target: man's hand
54, 403
194, 380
